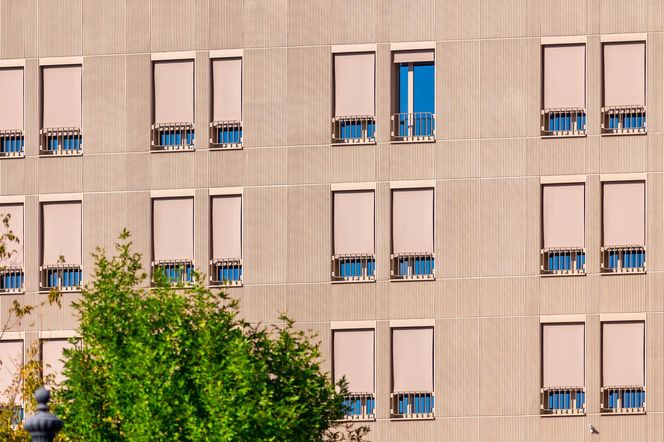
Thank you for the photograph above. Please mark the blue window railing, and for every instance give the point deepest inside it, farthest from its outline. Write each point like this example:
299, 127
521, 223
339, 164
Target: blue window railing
564, 400
172, 136
419, 126
354, 129
623, 259
226, 271
562, 261
177, 272
412, 266
627, 399
564, 122
359, 406
356, 267
624, 119
61, 276
12, 279
61, 141
226, 134
12, 143
412, 405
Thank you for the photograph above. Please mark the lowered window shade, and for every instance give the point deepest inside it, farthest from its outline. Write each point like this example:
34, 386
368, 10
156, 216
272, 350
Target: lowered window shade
412, 359
15, 212
563, 355
564, 76
61, 233
624, 213
62, 96
354, 222
624, 74
227, 227
622, 354
412, 220
52, 358
354, 358
174, 91
11, 358
227, 89
563, 215
11, 105
173, 229
354, 84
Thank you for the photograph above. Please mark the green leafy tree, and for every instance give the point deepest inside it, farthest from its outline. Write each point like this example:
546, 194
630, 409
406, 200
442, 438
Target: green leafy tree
178, 364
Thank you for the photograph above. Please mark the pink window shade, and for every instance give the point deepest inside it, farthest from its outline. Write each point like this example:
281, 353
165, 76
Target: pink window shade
623, 352
52, 358
227, 89
412, 359
564, 76
413, 56
625, 74
354, 358
11, 357
354, 222
563, 355
61, 233
412, 220
62, 96
227, 227
174, 91
354, 84
563, 216
624, 213
14, 248
173, 228
11, 104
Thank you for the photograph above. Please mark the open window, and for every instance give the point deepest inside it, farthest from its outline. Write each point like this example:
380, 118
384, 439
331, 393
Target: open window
354, 98
61, 246
624, 107
12, 139
354, 360
563, 229
226, 125
412, 373
173, 239
173, 127
563, 368
412, 234
12, 277
226, 262
623, 367
415, 79
61, 110
354, 257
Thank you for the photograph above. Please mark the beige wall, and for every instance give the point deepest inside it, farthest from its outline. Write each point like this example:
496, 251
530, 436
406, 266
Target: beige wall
487, 164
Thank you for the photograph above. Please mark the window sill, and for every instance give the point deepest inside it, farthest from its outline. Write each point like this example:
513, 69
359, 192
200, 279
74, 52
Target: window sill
564, 275
354, 281
553, 137
218, 148
43, 291
622, 413
405, 419
354, 143
427, 278
545, 415
12, 292
59, 154
424, 140
633, 272
623, 134
184, 149
225, 286
18, 156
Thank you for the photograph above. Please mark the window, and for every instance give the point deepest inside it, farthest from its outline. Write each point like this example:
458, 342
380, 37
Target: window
624, 109
61, 111
173, 127
415, 80
61, 246
563, 229
353, 358
226, 125
52, 353
173, 239
564, 90
11, 267
353, 258
623, 218
412, 373
11, 112
623, 350
354, 98
412, 234
226, 263
563, 368
11, 360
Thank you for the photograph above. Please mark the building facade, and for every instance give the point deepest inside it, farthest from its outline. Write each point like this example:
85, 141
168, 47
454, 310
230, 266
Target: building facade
464, 199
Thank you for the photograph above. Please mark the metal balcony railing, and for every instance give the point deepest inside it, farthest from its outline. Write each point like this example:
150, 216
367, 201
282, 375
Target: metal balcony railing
359, 406
12, 279
416, 126
177, 271
60, 141
172, 136
563, 400
412, 266
226, 272
354, 267
65, 277
12, 143
563, 261
563, 122
624, 119
354, 129
412, 405
226, 135
623, 399
624, 259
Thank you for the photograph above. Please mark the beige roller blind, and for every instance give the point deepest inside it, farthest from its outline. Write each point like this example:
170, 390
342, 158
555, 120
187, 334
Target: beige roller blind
563, 355
354, 84
11, 102
53, 358
412, 359
354, 222
173, 228
564, 76
625, 74
413, 56
11, 356
227, 227
62, 96
174, 91
61, 232
623, 347
227, 89
354, 358
563, 216
624, 213
412, 220
15, 212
